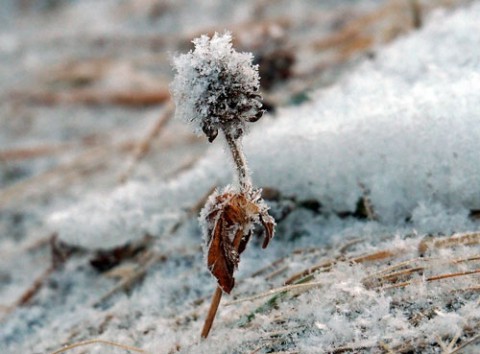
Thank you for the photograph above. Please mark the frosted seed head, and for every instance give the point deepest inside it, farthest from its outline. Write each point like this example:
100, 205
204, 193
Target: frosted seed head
216, 88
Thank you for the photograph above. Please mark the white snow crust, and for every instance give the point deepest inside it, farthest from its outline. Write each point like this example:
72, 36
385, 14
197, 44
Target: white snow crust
405, 127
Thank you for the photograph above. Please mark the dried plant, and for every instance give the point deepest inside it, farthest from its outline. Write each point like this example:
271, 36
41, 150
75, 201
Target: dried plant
216, 89
230, 218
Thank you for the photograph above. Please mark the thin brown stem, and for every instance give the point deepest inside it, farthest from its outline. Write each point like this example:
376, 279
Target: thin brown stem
217, 296
240, 162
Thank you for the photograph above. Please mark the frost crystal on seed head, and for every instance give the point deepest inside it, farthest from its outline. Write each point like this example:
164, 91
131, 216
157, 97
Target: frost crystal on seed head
216, 87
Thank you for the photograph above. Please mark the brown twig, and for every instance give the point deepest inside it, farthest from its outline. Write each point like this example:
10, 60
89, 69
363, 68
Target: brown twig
217, 296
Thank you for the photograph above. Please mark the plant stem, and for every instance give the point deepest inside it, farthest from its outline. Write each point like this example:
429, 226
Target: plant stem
245, 182
217, 296
240, 162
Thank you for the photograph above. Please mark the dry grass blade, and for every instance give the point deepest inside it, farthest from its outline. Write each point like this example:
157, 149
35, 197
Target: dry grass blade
144, 146
428, 263
466, 239
59, 256
34, 288
326, 265
393, 275
269, 267
32, 152
441, 343
99, 341
88, 162
453, 341
129, 98
272, 267
301, 287
275, 273
353, 348
239, 29
28, 294
470, 288
466, 344
321, 266
344, 248
396, 267
433, 278
130, 280
375, 256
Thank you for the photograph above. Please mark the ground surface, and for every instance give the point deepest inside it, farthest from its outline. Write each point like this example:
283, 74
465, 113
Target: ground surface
368, 159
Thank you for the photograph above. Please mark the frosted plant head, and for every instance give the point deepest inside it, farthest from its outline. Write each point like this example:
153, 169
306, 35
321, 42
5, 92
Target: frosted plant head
215, 87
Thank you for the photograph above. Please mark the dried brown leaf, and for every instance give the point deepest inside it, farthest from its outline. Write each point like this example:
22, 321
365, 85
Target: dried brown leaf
220, 259
230, 218
269, 225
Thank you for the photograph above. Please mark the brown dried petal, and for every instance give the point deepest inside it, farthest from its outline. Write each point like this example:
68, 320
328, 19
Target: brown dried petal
269, 225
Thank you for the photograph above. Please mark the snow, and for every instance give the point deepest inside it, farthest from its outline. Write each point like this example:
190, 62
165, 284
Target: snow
402, 128
411, 140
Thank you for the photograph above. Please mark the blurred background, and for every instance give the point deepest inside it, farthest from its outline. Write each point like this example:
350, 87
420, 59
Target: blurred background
84, 84
85, 106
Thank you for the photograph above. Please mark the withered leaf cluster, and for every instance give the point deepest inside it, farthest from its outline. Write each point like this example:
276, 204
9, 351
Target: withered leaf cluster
229, 220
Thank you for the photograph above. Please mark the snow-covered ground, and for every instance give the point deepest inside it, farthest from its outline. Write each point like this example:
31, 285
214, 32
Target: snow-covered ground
374, 182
